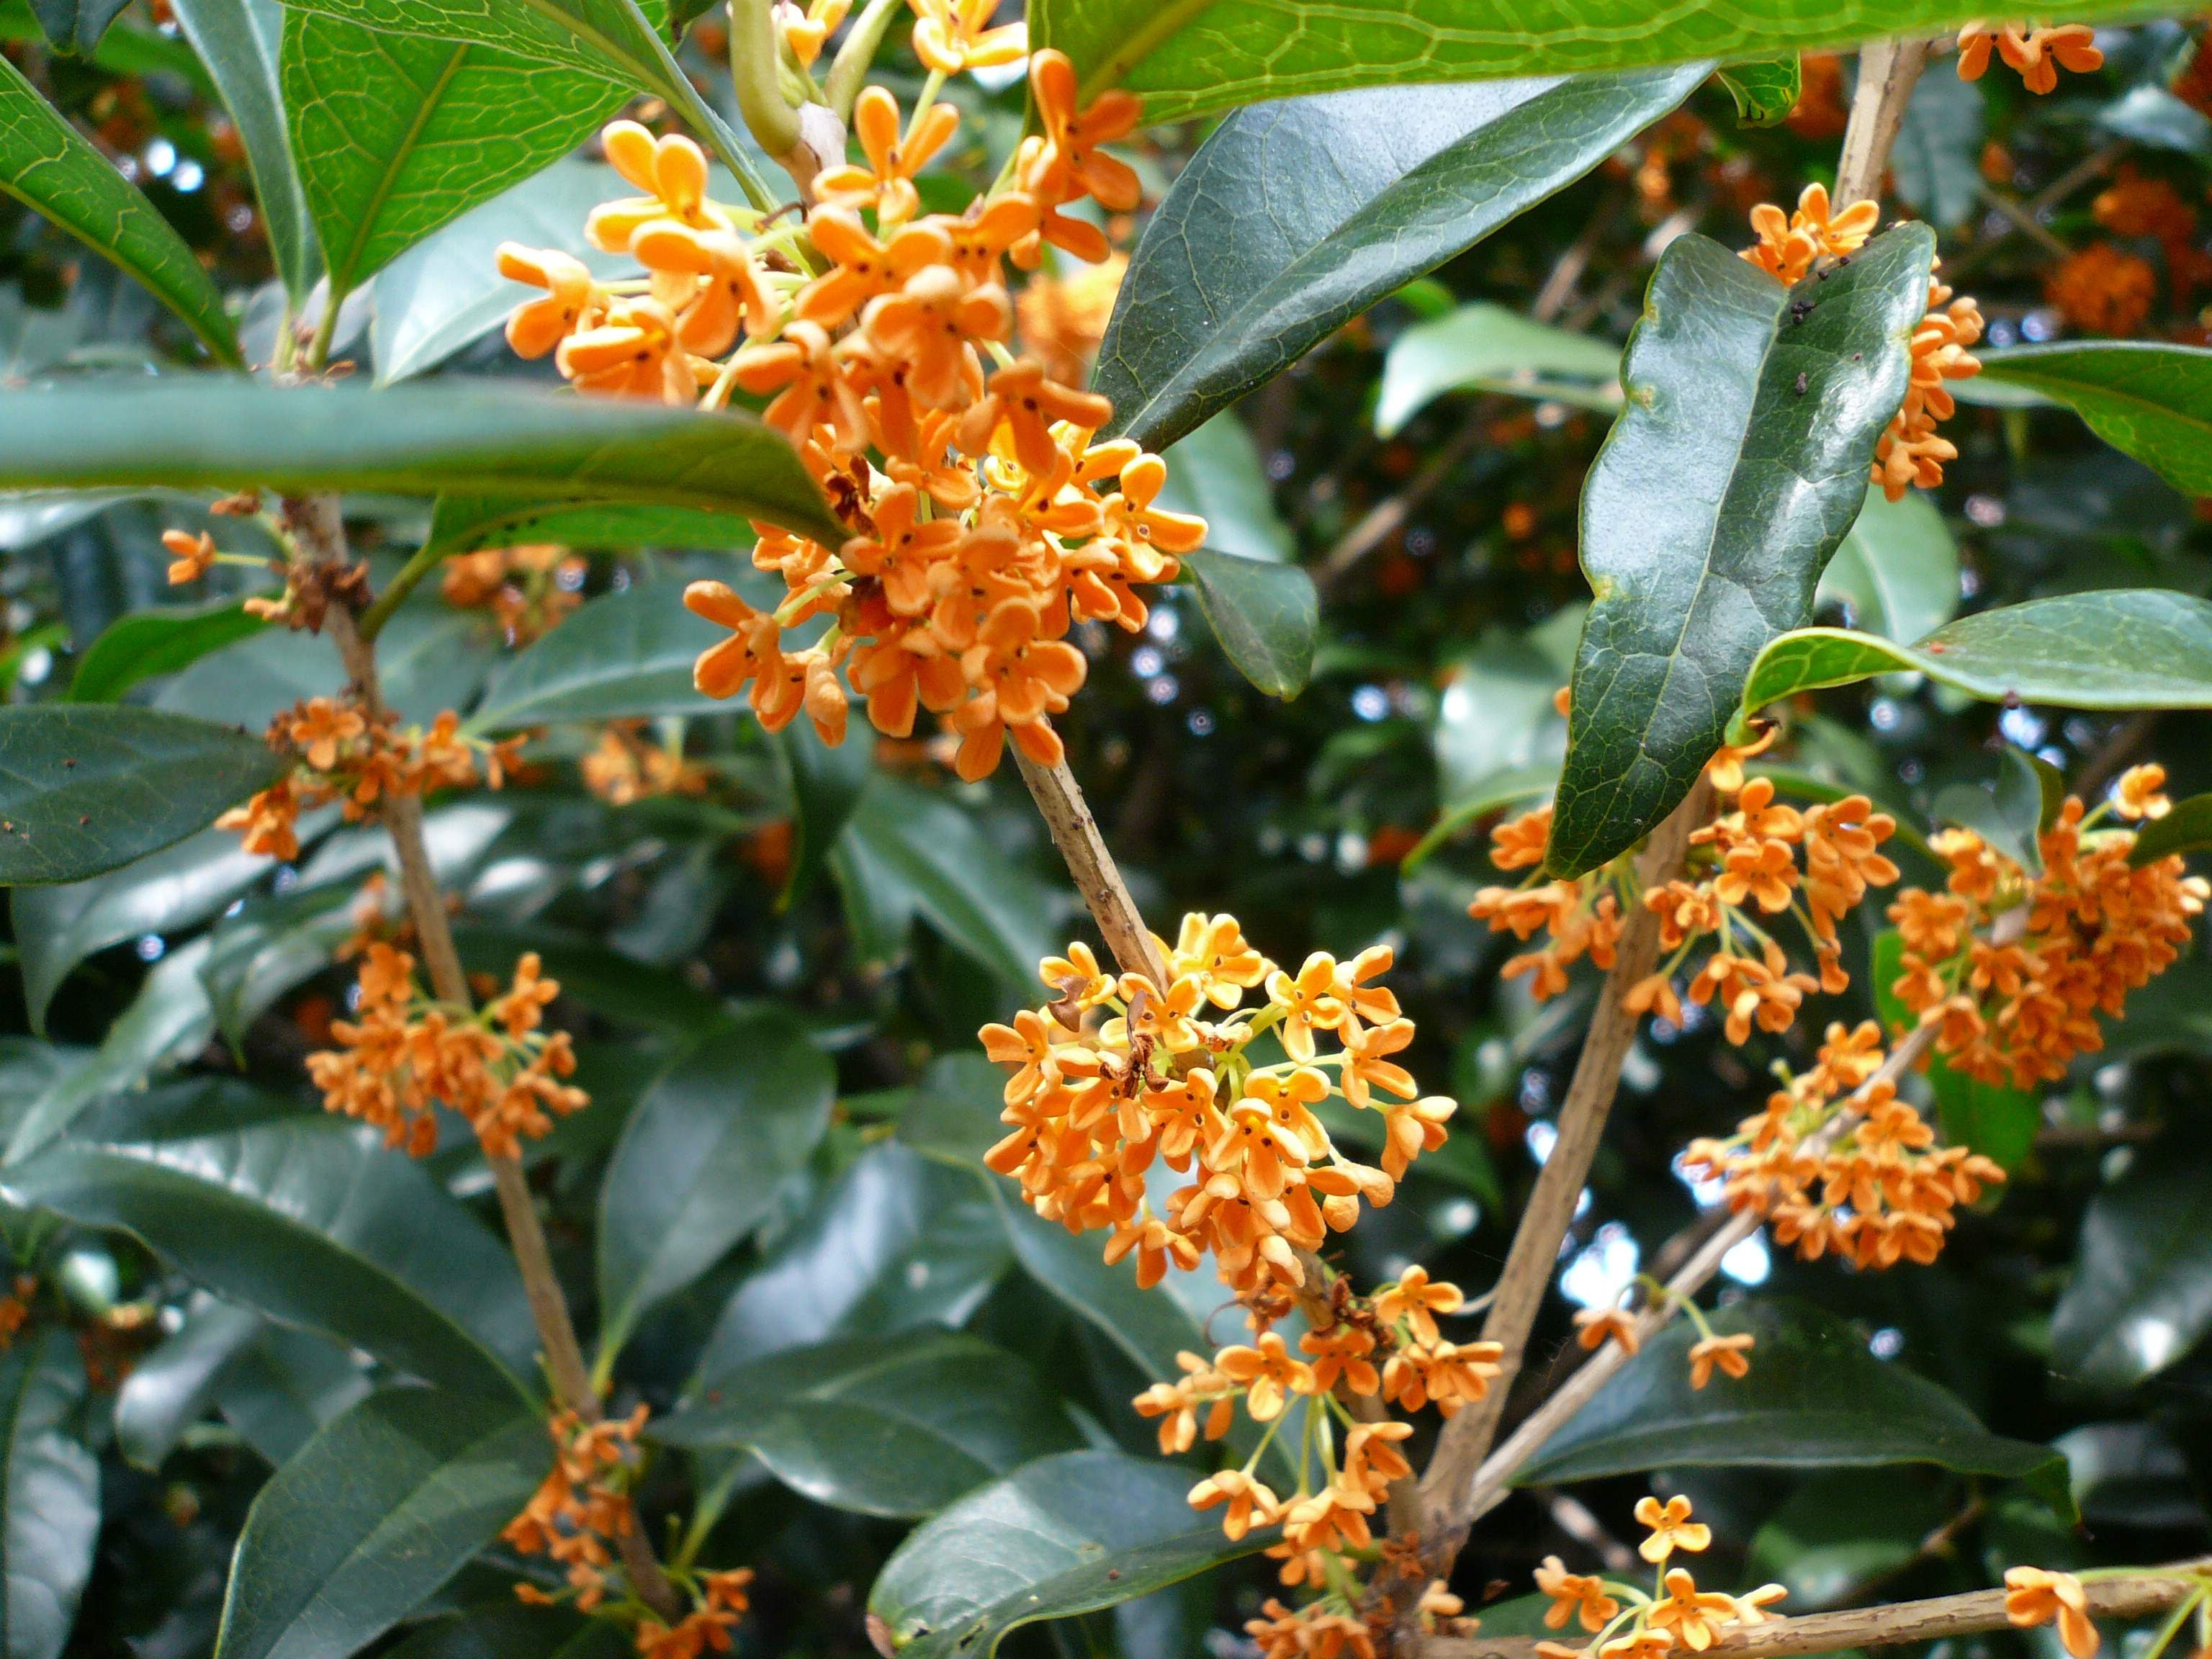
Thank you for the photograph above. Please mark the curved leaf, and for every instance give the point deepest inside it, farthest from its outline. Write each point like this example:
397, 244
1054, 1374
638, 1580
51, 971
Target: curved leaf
395, 134
1764, 91
1215, 472
84, 790
1267, 615
1738, 462
309, 1220
1815, 1397
1295, 217
238, 41
371, 1515
2152, 401
148, 643
624, 656
2141, 1292
896, 1427
47, 167
75, 26
2135, 648
702, 1159
169, 1389
1898, 568
2186, 829
49, 1483
483, 437
1063, 1535
469, 524
1485, 347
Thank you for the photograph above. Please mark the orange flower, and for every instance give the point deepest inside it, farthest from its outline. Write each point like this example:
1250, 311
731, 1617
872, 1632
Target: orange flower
806, 32
2140, 792
671, 171
1572, 1596
886, 184
1594, 1325
953, 35
2037, 54
1249, 1504
191, 557
572, 300
2033, 1596
1726, 1352
1691, 1615
1417, 1302
1267, 1374
1790, 244
1671, 1528
1519, 843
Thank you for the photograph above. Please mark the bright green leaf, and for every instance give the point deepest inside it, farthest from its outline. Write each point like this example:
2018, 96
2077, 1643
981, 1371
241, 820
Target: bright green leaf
2141, 1292
1267, 615
1296, 217
148, 643
895, 1426
625, 656
482, 437
1738, 464
1485, 347
47, 167
1063, 1535
49, 1482
2152, 401
469, 524
371, 1515
238, 41
1766, 91
87, 789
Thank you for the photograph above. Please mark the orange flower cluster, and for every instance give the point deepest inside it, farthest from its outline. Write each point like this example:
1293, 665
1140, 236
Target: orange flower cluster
2015, 966
982, 521
1623, 1621
2033, 1596
1170, 1074
2103, 289
406, 1053
356, 757
626, 767
1789, 245
722, 1599
582, 1507
1837, 1162
1331, 1629
1742, 865
2036, 53
528, 589
1910, 450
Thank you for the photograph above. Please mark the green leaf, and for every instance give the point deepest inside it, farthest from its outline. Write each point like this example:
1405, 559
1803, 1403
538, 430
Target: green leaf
372, 1516
1815, 1397
485, 437
469, 524
512, 1630
1719, 495
701, 1158
1190, 58
1764, 91
84, 790
430, 656
1936, 164
309, 1220
1993, 1119
284, 1388
1898, 568
1486, 348
2011, 814
2141, 1295
51, 1485
447, 292
614, 986
1216, 472
625, 656
899, 1426
1267, 615
2152, 401
57, 927
925, 850
826, 785
900, 1242
394, 135
615, 39
1063, 1535
1294, 218
169, 1389
238, 41
148, 643
2137, 647
75, 26
2186, 829
49, 168
1838, 1535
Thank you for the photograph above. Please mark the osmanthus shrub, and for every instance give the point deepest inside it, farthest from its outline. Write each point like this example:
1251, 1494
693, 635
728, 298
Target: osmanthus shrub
508, 1151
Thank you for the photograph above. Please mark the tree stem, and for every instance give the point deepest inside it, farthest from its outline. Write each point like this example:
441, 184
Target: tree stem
1888, 70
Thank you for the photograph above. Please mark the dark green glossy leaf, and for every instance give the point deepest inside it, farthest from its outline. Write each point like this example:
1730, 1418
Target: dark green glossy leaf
256, 956
395, 134
826, 785
75, 26
701, 1158
1738, 464
284, 1388
1150, 1327
238, 42
2012, 813
431, 658
899, 1426
1190, 58
1936, 163
2141, 1292
609, 984
50, 1484
371, 1515
2186, 829
1993, 1119
900, 1242
1266, 617
480, 437
624, 656
470, 524
1815, 1397
1838, 1535
1484, 347
1295, 217
147, 643
169, 1389
924, 854
1764, 91
2137, 647
1063, 1535
47, 167
1898, 568
513, 1631
84, 790
2152, 401
311, 1221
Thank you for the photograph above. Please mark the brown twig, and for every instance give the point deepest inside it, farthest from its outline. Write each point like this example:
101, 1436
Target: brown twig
316, 518
2158, 1589
1075, 832
1888, 70
1449, 1484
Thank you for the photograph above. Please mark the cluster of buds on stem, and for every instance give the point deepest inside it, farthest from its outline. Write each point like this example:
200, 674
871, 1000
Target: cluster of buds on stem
1627, 1621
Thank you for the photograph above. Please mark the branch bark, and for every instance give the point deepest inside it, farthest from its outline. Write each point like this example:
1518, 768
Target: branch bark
2159, 1589
1075, 832
1888, 70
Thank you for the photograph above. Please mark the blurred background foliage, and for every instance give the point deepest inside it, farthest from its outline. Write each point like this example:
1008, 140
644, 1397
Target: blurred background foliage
1425, 467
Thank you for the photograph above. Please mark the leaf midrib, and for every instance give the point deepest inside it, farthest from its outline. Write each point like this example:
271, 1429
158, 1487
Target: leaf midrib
366, 225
